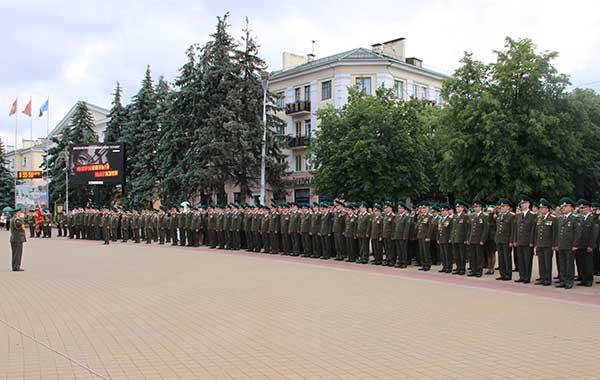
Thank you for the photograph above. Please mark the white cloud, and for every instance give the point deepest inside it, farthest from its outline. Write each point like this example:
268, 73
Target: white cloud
78, 50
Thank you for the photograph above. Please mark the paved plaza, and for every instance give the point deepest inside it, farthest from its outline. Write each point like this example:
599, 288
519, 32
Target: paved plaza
82, 310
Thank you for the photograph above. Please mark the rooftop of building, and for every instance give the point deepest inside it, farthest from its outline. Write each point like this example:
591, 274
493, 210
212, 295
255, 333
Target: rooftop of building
354, 55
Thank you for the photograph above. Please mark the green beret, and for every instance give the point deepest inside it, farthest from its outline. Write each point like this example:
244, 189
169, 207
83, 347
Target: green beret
402, 204
504, 201
337, 201
524, 198
18, 208
583, 202
444, 206
595, 204
377, 207
477, 202
544, 203
423, 204
566, 200
460, 202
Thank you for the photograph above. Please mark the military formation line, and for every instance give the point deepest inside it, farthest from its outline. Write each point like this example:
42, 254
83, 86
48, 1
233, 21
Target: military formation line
391, 234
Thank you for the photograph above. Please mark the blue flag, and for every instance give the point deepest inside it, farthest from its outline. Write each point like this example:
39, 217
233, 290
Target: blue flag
44, 108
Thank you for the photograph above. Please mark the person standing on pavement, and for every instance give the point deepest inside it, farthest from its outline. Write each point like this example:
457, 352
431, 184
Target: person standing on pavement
17, 238
544, 239
565, 244
524, 229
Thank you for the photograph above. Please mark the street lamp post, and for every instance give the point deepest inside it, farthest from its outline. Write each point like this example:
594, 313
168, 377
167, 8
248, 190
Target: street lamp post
263, 156
66, 181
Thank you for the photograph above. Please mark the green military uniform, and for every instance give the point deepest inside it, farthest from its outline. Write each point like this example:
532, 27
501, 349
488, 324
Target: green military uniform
460, 228
173, 223
351, 242
339, 227
236, 228
274, 231
524, 229
363, 230
104, 224
443, 238
125, 225
264, 232
305, 223
386, 234
315, 227
163, 226
181, 228
585, 240
504, 228
17, 238
136, 222
325, 231
114, 226
286, 243
400, 237
567, 225
478, 233
546, 232
375, 236
294, 233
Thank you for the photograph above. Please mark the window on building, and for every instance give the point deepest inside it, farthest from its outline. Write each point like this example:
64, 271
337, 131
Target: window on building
413, 93
237, 197
298, 163
281, 130
425, 92
24, 161
280, 100
438, 96
297, 97
326, 90
399, 86
307, 128
364, 84
307, 164
307, 93
302, 196
298, 128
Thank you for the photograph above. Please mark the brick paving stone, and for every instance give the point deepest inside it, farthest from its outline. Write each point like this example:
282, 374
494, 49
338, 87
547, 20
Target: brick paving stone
131, 311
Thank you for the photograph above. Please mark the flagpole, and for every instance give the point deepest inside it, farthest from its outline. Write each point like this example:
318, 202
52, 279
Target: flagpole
30, 120
15, 160
47, 145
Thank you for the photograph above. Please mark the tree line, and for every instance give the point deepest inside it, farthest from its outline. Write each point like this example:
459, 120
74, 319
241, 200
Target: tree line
186, 139
506, 128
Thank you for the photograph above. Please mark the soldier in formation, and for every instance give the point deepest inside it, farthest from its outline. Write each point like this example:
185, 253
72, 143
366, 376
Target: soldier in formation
392, 234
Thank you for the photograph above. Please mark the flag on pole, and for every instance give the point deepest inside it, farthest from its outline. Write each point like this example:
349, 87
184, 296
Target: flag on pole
27, 110
44, 108
13, 108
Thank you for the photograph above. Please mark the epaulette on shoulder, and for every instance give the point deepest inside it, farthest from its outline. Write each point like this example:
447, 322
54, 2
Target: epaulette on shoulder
512, 213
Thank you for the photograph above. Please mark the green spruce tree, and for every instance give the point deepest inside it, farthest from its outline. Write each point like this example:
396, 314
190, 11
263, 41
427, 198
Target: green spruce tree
7, 181
141, 143
117, 118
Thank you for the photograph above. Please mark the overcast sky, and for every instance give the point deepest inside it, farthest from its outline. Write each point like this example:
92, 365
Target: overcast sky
76, 50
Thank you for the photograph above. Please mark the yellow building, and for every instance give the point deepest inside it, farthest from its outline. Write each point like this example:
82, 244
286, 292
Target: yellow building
304, 85
29, 158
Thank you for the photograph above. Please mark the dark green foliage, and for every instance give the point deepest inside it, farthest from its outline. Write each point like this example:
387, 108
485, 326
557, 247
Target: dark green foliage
374, 147
510, 127
117, 119
7, 181
141, 137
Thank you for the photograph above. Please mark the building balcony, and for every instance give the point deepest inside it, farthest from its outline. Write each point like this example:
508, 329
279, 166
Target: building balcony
300, 107
298, 141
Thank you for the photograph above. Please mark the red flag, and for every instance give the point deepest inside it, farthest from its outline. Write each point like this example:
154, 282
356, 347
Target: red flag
38, 217
13, 108
27, 110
